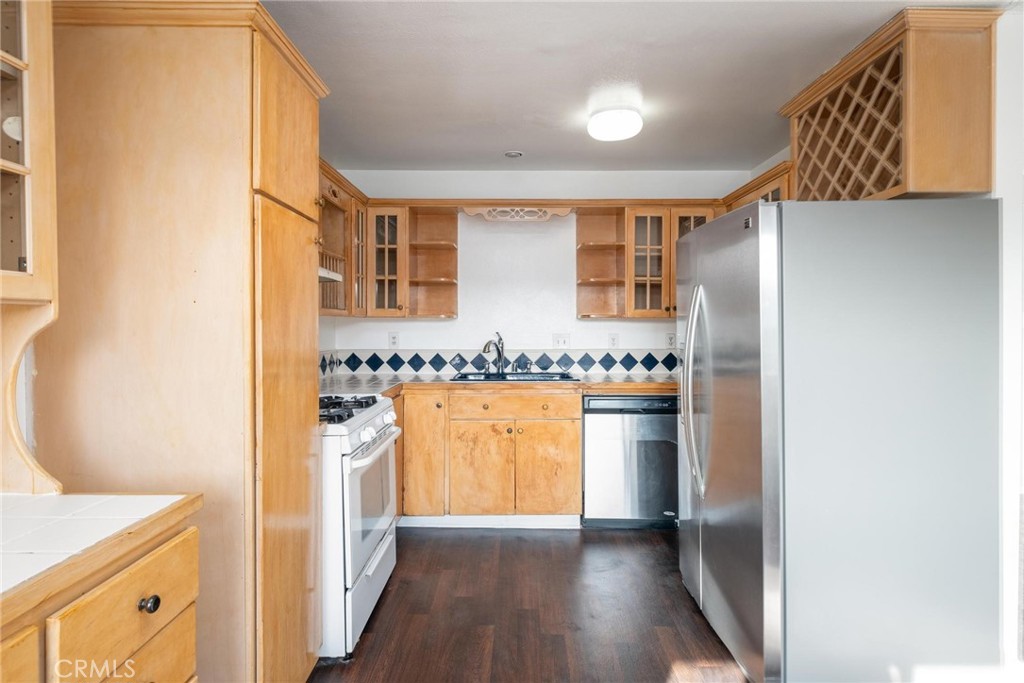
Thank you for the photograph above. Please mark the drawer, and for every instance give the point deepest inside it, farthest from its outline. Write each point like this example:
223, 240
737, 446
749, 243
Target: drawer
107, 624
170, 657
514, 406
19, 657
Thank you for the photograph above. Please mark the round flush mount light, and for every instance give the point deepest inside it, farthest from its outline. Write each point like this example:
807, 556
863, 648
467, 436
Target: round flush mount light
610, 125
513, 154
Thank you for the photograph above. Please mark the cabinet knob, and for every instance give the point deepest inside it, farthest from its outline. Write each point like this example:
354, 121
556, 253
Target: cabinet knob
321, 202
150, 604
667, 309
401, 307
544, 407
438, 405
509, 430
319, 241
487, 407
519, 431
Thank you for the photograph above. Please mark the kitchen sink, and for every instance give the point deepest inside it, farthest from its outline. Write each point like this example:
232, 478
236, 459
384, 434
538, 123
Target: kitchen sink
514, 377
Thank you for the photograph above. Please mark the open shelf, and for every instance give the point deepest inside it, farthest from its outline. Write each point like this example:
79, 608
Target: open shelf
434, 244
433, 262
583, 246
433, 281
601, 262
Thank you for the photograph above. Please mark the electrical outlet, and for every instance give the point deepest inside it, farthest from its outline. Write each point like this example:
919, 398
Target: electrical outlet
561, 341
613, 340
392, 340
670, 340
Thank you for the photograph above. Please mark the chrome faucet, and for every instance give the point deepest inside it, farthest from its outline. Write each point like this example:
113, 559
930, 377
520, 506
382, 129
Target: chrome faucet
498, 346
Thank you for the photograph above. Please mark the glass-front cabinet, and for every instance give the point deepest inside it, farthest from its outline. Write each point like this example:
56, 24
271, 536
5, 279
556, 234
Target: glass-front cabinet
357, 263
683, 220
648, 244
27, 162
388, 250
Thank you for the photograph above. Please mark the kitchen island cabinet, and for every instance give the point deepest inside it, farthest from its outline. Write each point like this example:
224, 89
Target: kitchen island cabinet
185, 355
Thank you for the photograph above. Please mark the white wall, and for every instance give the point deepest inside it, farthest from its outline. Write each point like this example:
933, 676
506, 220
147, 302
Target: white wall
548, 184
1009, 185
515, 278
777, 158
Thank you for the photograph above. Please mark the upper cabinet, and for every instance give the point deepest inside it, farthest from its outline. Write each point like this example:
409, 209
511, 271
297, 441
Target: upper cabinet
647, 273
771, 186
908, 112
625, 257
387, 261
28, 251
342, 241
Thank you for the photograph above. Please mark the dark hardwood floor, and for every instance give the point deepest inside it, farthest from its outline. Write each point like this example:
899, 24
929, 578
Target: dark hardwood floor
530, 605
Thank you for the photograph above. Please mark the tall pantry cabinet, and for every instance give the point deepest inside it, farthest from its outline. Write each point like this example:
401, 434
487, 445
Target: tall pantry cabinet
185, 354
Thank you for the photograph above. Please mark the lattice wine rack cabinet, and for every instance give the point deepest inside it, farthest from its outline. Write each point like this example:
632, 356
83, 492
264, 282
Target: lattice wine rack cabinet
908, 112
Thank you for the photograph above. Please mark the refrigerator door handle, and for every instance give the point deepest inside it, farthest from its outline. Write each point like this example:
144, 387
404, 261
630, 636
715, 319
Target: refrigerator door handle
691, 435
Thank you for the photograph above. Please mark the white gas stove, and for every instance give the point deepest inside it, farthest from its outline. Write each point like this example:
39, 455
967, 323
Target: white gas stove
359, 503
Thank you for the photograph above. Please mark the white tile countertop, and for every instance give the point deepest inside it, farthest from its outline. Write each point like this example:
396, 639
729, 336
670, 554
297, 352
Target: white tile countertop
38, 532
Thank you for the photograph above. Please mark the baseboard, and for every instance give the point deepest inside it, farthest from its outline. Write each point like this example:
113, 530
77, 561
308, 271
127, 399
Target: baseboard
493, 522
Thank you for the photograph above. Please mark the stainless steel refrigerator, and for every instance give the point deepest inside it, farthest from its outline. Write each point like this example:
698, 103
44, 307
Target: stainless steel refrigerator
839, 436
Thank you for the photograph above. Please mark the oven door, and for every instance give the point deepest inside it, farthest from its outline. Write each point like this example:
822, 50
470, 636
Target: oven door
369, 501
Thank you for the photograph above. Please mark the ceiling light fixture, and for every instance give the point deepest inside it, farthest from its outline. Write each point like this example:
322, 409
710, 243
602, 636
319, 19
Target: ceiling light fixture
513, 154
610, 125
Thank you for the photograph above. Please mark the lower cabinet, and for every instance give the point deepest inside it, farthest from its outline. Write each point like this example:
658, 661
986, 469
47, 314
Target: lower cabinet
485, 452
482, 468
424, 448
140, 622
19, 656
548, 472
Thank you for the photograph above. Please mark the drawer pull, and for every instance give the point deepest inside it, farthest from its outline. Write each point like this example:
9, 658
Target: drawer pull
544, 407
509, 430
519, 431
487, 407
438, 405
150, 604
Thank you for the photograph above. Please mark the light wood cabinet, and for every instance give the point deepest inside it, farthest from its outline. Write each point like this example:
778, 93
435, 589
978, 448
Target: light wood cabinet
388, 269
28, 220
682, 221
342, 241
28, 259
107, 625
122, 608
20, 655
601, 262
482, 467
548, 467
196, 280
647, 276
908, 112
508, 451
412, 262
425, 452
625, 257
771, 186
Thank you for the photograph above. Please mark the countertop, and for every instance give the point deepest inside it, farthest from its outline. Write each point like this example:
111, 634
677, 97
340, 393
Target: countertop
40, 532
589, 384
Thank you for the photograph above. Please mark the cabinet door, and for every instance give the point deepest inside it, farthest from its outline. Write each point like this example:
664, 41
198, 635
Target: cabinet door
425, 443
334, 266
287, 446
20, 655
357, 258
548, 475
388, 263
683, 221
287, 128
28, 227
647, 284
481, 468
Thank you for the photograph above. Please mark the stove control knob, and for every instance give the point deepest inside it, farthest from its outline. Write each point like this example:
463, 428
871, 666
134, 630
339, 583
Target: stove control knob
367, 434
389, 417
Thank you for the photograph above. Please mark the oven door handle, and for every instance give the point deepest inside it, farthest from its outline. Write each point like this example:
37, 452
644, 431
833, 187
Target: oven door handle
351, 465
374, 562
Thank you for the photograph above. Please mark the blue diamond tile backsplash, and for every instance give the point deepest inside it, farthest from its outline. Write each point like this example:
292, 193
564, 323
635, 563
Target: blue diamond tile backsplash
447, 363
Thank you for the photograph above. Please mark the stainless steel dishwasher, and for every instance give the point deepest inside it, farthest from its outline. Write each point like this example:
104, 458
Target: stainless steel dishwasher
630, 461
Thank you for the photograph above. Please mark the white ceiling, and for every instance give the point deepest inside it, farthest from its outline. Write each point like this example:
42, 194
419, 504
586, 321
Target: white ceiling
452, 85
